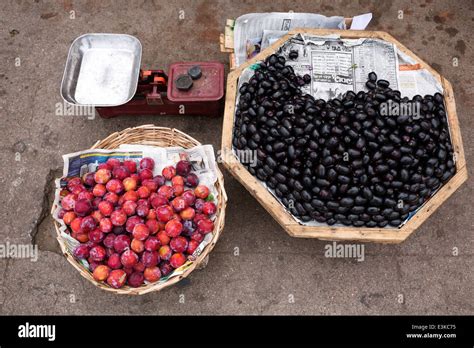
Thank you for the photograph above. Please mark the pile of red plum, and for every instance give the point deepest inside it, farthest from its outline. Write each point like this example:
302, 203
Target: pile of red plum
133, 226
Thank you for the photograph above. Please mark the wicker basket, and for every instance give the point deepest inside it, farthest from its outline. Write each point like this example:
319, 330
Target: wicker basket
163, 137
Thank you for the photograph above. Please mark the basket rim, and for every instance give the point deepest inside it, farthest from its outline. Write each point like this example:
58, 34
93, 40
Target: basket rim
219, 221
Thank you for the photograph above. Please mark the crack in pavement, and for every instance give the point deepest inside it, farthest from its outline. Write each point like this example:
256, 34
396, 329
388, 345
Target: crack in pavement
48, 198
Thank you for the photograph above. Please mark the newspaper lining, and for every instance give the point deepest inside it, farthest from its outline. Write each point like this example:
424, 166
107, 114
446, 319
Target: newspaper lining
337, 66
79, 163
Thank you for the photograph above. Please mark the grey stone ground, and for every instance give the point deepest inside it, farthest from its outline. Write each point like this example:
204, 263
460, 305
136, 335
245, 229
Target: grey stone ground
271, 266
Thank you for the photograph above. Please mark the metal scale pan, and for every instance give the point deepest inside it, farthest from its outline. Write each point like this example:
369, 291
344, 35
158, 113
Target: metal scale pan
102, 70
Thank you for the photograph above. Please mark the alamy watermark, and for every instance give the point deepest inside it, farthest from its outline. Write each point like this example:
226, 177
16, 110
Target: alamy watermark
392, 108
19, 251
335, 250
66, 109
237, 156
28, 330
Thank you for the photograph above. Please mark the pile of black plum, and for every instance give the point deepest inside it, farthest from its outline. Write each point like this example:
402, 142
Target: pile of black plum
343, 160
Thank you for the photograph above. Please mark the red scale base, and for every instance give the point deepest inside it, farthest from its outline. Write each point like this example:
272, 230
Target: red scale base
157, 94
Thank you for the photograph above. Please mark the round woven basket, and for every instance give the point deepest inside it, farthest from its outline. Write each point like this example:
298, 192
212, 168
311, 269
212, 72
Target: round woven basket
162, 137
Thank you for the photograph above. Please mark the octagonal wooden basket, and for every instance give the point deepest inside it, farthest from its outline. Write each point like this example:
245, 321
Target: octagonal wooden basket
278, 211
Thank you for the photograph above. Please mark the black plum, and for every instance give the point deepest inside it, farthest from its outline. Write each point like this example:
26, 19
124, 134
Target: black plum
342, 160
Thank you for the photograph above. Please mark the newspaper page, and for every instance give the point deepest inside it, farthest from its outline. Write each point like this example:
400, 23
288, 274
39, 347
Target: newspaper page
78, 164
414, 79
249, 28
270, 36
337, 66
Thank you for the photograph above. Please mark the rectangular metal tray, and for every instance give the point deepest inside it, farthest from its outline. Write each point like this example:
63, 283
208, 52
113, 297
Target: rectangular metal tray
102, 70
